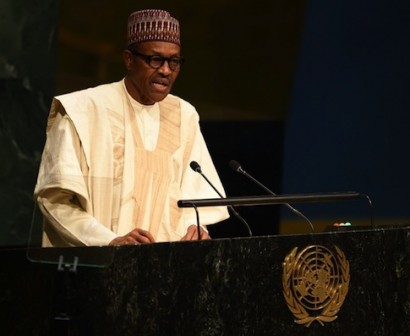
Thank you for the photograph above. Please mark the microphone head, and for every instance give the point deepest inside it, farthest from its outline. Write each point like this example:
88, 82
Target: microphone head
235, 165
195, 166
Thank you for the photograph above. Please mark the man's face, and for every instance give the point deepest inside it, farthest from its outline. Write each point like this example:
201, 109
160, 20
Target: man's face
144, 83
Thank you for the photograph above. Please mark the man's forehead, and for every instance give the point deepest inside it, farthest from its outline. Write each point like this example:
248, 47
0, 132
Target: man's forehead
159, 47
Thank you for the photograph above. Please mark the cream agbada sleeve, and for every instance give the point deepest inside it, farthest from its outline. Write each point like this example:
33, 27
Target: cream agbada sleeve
194, 186
68, 223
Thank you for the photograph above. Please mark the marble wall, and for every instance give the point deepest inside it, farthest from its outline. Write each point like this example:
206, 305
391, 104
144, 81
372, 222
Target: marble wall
27, 68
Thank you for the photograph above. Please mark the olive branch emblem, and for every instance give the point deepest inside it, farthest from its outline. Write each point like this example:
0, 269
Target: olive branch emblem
315, 283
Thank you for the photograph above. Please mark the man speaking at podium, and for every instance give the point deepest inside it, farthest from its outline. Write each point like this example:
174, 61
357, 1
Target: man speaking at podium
116, 158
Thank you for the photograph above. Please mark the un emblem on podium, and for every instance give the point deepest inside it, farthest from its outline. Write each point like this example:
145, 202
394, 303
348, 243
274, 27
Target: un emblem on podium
315, 283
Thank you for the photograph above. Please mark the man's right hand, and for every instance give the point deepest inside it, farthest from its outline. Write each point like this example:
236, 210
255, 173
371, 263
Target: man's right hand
136, 236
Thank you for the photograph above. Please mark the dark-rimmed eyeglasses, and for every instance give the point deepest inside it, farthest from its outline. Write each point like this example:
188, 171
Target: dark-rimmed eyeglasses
157, 61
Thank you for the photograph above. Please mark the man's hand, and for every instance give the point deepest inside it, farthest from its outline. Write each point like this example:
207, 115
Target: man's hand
136, 236
192, 233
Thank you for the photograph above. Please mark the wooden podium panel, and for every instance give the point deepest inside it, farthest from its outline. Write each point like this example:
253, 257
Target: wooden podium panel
218, 287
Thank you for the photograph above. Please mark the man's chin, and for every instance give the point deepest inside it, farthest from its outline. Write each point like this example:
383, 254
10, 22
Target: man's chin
157, 97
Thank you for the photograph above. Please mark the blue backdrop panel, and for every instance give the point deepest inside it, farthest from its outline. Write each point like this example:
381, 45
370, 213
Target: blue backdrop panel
347, 128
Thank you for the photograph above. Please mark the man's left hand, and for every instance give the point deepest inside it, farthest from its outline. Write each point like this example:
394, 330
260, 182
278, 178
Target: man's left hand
192, 233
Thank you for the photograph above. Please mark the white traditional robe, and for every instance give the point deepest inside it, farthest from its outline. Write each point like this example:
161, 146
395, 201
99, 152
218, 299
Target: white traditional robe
107, 169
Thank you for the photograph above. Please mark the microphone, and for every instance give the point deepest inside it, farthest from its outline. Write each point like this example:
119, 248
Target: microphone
197, 169
237, 168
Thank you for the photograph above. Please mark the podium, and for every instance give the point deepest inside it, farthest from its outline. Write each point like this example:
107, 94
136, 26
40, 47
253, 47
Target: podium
238, 286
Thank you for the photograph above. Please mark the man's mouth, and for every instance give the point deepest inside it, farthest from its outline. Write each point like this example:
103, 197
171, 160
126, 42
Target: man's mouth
160, 84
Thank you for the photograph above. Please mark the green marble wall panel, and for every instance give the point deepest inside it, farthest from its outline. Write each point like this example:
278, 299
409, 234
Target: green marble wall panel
27, 66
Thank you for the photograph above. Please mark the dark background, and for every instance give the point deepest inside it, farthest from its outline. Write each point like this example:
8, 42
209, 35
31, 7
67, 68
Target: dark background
309, 96
347, 127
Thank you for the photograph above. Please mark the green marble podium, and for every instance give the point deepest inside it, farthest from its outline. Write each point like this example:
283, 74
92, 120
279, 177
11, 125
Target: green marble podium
217, 287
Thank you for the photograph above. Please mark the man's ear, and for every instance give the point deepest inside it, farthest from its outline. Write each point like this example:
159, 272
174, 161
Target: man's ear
128, 59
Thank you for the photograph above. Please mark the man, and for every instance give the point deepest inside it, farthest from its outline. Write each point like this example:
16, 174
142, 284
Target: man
116, 159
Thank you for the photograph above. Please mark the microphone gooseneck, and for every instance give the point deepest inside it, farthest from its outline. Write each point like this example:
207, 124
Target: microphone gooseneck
197, 168
235, 165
